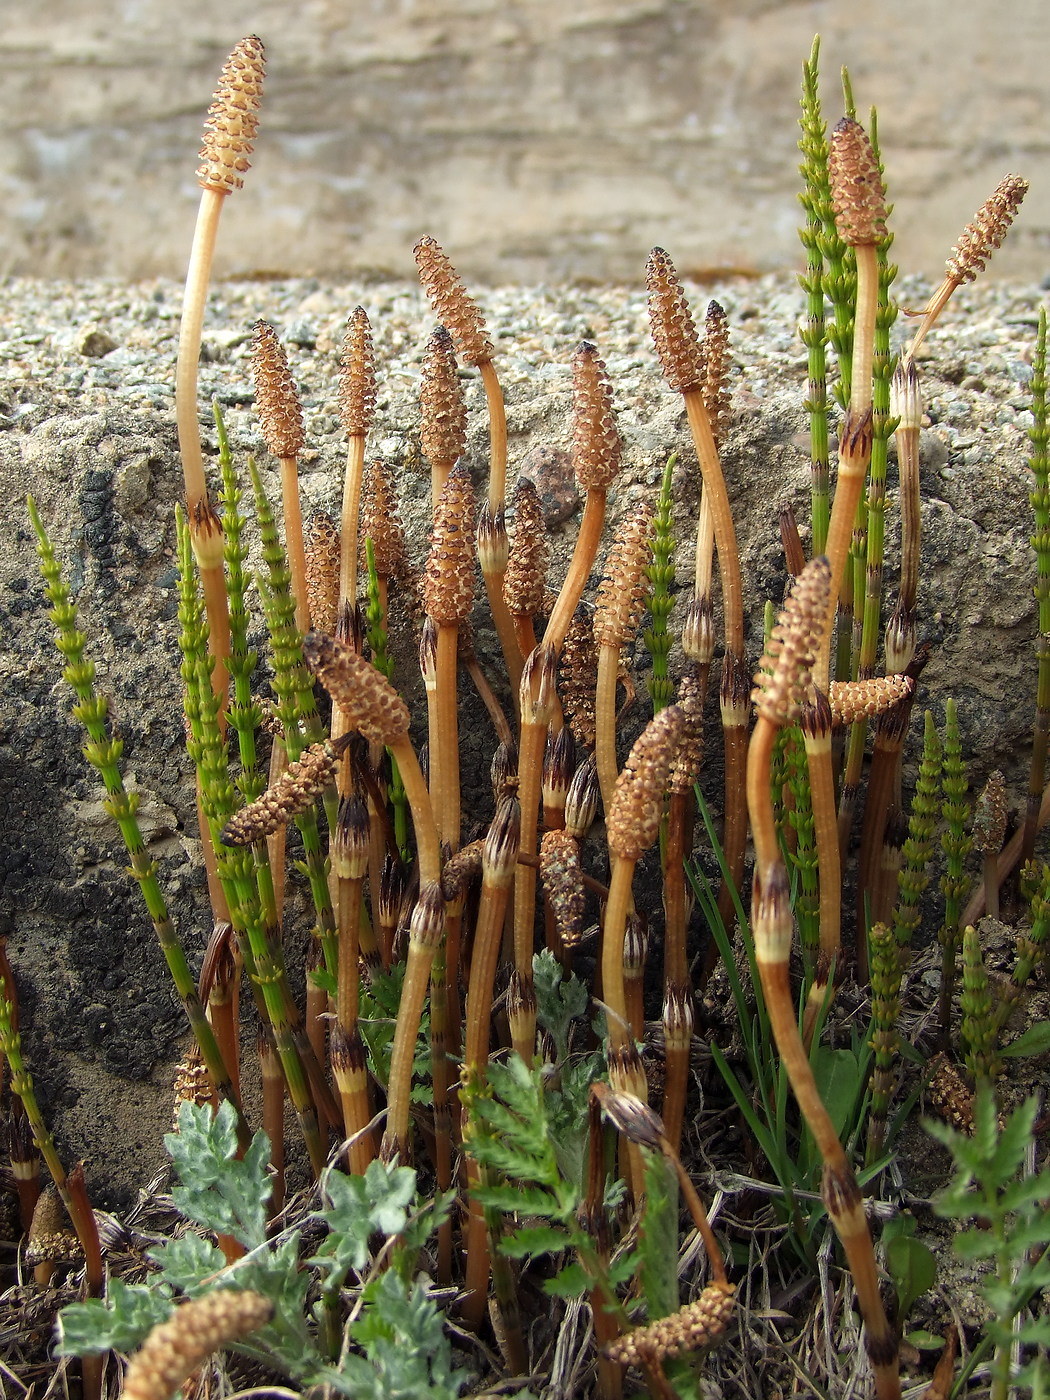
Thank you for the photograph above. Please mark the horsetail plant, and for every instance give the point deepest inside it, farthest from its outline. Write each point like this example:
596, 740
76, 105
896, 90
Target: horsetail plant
442, 411
229, 137
281, 419
906, 409
459, 313
103, 753
1030, 949
869, 610
890, 947
824, 250
977, 242
956, 844
238, 866
534, 1183
989, 832
682, 360
660, 601
70, 1187
780, 685
357, 398
979, 1029
617, 613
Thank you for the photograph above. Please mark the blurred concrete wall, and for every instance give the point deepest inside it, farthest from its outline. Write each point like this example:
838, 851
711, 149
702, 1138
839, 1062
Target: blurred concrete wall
537, 139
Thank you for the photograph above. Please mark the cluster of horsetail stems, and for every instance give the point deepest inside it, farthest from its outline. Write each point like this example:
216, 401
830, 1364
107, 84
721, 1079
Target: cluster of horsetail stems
395, 857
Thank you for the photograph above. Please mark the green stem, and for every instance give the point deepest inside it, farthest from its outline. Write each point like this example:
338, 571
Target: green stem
103, 753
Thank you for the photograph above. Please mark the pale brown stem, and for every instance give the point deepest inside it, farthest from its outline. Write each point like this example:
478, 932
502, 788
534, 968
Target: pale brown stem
722, 519
348, 975
829, 868
613, 929
447, 802
222, 1013
198, 275
841, 1194
439, 1080
908, 463
497, 437
575, 580
864, 327
409, 1014
698, 1215
930, 313
848, 491
759, 798
525, 631
454, 953
351, 510
293, 538
428, 842
605, 721
488, 934
194, 298
705, 547
420, 955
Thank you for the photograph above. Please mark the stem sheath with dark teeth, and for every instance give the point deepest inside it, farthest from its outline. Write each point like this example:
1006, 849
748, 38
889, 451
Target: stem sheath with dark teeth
780, 685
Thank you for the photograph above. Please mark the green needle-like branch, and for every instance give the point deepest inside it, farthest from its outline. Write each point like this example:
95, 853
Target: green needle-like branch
103, 753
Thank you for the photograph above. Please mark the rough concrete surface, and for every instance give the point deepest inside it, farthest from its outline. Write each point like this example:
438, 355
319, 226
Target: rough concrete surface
536, 140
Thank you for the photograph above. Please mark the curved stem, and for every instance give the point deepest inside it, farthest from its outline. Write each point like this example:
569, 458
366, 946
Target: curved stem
579, 570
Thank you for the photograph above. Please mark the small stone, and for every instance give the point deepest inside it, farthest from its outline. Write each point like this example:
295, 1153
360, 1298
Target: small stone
550, 471
94, 342
301, 333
